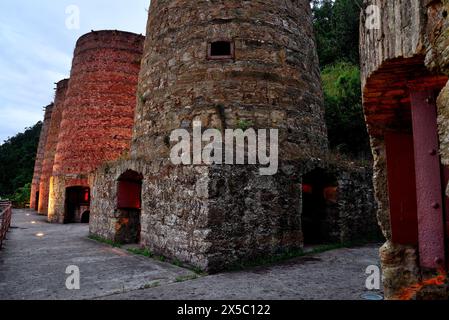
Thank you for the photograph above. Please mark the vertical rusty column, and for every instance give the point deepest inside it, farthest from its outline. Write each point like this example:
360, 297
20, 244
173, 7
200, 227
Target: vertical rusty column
402, 187
428, 179
446, 210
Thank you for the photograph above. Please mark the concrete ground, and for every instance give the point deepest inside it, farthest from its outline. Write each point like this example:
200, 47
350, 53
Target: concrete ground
33, 266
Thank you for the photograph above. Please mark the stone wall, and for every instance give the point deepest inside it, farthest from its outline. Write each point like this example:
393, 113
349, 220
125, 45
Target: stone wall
98, 110
40, 157
214, 217
209, 217
50, 146
357, 207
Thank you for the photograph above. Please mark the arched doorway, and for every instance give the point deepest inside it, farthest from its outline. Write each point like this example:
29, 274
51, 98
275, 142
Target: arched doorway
129, 204
77, 201
320, 220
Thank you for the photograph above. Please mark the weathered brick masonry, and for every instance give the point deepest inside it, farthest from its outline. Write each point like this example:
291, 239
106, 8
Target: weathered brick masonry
405, 65
215, 216
98, 116
50, 146
34, 200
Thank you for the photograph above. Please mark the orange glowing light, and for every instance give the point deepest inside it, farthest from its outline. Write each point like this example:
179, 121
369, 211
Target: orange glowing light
410, 292
40, 234
330, 194
307, 188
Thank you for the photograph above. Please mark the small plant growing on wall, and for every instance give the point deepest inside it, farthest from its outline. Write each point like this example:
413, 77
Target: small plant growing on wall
244, 124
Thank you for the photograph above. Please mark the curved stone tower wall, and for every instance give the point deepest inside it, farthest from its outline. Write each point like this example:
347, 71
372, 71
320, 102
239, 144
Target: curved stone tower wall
214, 217
273, 81
50, 146
404, 60
98, 112
34, 200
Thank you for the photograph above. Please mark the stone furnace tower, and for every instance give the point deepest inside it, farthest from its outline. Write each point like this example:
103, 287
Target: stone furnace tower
50, 146
34, 200
229, 64
97, 119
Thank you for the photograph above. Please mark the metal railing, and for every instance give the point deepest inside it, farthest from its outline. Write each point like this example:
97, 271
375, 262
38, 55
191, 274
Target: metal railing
5, 219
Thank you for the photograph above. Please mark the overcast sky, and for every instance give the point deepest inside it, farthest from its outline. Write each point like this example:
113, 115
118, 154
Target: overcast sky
36, 49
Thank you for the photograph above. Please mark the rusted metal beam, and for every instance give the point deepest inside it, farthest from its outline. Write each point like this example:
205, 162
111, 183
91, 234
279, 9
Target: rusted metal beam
428, 179
402, 187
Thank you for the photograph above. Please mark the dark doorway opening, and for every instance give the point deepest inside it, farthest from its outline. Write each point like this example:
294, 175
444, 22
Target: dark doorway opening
85, 217
320, 219
77, 202
36, 202
129, 204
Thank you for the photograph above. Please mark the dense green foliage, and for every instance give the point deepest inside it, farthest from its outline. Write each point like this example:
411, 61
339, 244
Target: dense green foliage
344, 114
22, 196
336, 26
17, 157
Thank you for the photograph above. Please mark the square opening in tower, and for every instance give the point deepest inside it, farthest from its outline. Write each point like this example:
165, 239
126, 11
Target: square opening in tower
221, 50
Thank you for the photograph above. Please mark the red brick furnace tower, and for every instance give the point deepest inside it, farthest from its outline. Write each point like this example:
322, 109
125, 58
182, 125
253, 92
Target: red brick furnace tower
34, 199
50, 146
98, 117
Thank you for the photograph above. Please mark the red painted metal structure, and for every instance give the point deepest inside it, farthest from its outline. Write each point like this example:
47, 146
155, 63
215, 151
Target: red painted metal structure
5, 220
402, 187
446, 212
429, 191
415, 182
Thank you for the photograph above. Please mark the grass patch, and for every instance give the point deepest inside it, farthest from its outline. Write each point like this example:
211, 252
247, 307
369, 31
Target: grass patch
186, 278
152, 285
199, 271
147, 253
245, 124
141, 252
105, 241
291, 254
178, 263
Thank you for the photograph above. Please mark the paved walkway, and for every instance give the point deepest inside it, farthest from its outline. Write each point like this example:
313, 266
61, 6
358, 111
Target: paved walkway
33, 267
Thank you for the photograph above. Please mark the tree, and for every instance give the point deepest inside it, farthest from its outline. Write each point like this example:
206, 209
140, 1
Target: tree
336, 26
344, 113
17, 158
